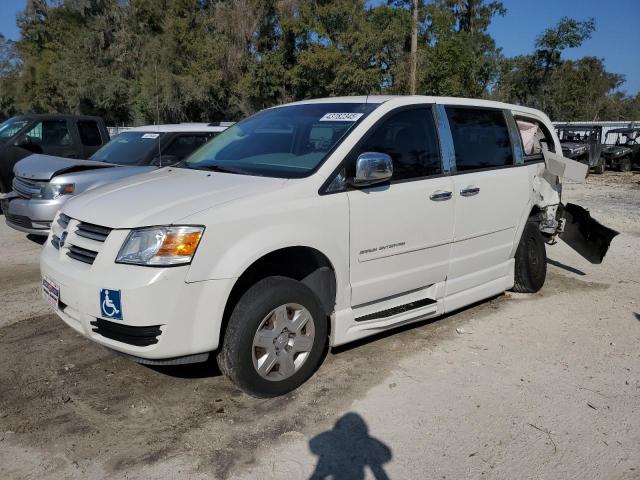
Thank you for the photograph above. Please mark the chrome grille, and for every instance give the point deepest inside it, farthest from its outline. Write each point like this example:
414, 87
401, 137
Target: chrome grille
27, 188
93, 232
82, 254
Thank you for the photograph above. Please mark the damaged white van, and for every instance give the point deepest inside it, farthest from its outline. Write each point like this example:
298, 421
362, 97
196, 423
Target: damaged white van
314, 224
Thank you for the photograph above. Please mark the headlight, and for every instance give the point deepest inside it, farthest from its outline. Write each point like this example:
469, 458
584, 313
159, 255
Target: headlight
160, 246
50, 191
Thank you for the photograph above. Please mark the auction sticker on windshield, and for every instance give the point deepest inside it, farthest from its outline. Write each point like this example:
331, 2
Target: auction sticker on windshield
150, 135
50, 292
340, 117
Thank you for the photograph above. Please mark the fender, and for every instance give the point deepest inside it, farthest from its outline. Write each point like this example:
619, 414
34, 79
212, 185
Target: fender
323, 227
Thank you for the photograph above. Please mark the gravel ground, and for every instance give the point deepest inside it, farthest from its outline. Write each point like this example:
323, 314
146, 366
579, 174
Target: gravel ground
520, 386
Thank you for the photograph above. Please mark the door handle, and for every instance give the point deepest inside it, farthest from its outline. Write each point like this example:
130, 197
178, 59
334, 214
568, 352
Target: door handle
440, 195
469, 191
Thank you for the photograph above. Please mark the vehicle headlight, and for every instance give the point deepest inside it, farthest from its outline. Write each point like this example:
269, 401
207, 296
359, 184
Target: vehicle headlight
50, 191
160, 246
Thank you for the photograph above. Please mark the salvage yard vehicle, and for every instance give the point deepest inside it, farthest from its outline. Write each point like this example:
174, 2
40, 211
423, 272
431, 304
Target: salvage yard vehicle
70, 136
622, 149
583, 143
314, 224
43, 183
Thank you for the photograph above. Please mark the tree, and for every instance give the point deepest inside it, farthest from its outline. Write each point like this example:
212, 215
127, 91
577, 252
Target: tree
460, 58
9, 75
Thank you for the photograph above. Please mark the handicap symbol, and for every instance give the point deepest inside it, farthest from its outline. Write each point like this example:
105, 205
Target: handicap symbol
111, 307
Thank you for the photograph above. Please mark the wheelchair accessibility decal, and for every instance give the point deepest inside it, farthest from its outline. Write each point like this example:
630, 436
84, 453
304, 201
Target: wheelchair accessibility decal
110, 304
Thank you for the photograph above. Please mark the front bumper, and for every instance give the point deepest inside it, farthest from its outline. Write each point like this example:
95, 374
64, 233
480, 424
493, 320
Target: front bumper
32, 216
187, 315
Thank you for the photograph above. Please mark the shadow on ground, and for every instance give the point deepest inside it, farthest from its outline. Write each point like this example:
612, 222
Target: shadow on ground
568, 268
39, 239
345, 451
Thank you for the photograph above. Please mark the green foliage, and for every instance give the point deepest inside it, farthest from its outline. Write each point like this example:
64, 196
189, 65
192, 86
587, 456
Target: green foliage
141, 61
565, 89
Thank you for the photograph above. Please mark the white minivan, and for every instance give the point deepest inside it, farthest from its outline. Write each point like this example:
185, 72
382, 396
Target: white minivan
314, 224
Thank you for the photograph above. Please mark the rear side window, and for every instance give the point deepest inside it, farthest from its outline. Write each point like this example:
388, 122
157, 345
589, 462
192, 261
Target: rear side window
89, 133
409, 137
535, 137
480, 138
50, 133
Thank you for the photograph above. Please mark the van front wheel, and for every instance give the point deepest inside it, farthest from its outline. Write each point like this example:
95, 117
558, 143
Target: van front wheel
530, 261
275, 338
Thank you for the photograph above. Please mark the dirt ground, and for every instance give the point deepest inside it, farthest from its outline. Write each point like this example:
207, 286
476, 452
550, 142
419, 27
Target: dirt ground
520, 386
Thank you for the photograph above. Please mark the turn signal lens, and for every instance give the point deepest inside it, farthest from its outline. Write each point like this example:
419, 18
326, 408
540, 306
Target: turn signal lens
179, 244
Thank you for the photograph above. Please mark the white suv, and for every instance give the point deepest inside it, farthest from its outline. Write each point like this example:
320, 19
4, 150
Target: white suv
313, 224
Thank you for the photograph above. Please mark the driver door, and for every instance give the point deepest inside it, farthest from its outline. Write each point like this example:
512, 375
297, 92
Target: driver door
401, 232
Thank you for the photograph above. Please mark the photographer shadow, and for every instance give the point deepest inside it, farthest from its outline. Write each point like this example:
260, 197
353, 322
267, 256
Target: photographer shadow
345, 451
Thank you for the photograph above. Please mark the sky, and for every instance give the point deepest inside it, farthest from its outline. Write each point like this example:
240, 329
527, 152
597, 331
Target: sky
616, 39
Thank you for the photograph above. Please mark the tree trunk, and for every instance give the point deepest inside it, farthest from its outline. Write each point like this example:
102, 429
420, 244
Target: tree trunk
414, 49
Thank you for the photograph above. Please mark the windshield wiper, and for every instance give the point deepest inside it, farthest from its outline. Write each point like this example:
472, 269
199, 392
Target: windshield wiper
224, 169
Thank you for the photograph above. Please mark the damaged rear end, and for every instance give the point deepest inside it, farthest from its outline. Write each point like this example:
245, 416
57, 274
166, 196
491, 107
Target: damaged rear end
572, 223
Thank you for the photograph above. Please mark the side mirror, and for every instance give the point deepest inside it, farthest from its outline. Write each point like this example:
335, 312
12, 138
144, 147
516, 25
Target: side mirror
22, 141
372, 168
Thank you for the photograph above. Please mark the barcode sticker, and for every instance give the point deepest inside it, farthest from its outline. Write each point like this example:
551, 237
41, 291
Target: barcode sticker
151, 135
340, 117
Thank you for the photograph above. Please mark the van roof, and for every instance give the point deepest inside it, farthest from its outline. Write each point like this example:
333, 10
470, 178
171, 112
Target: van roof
404, 99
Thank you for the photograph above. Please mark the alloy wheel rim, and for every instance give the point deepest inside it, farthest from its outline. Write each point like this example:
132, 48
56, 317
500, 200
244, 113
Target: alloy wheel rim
283, 342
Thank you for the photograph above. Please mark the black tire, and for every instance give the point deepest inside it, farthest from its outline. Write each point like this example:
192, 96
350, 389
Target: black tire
625, 164
530, 260
235, 358
600, 167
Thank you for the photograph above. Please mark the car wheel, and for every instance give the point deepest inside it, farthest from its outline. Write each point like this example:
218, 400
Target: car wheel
600, 167
530, 260
625, 164
275, 338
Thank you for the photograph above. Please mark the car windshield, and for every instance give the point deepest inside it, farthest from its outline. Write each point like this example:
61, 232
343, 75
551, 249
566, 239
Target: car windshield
128, 148
285, 142
579, 136
12, 126
623, 138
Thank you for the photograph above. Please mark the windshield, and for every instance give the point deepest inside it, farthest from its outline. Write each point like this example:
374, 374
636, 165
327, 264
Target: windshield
622, 138
128, 148
579, 136
285, 142
12, 126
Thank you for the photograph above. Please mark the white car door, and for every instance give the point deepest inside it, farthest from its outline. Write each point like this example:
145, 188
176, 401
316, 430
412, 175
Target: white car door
492, 191
401, 232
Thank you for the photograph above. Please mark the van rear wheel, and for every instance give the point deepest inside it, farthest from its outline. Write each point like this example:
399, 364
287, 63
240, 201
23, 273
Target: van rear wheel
530, 260
275, 338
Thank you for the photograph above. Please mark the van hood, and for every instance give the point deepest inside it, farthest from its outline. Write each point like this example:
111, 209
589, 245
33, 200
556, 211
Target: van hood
163, 197
45, 167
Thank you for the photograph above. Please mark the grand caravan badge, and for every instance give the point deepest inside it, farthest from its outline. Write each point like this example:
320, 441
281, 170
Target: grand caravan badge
382, 248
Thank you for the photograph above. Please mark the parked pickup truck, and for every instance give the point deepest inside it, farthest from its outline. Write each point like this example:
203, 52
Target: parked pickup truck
70, 136
43, 183
315, 224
